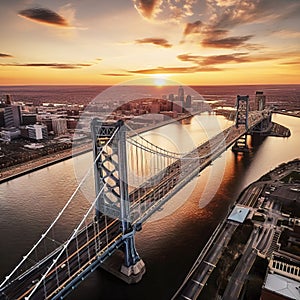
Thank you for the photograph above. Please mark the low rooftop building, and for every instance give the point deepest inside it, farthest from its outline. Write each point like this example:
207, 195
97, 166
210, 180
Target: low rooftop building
239, 214
279, 287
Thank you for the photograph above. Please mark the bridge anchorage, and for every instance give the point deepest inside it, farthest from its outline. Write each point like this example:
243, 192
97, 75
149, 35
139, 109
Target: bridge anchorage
110, 171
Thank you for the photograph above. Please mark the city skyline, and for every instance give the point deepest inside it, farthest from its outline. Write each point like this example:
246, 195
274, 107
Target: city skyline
192, 42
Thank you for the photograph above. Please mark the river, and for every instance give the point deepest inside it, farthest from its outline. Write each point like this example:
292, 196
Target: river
171, 240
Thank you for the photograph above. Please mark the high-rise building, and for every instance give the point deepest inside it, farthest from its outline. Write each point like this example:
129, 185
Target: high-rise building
260, 101
181, 94
59, 126
35, 132
188, 101
2, 122
8, 100
12, 116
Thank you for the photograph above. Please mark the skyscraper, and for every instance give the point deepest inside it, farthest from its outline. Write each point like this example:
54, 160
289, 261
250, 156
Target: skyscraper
12, 116
9, 100
188, 101
181, 94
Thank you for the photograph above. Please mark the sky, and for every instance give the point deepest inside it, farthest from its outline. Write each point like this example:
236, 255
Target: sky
194, 42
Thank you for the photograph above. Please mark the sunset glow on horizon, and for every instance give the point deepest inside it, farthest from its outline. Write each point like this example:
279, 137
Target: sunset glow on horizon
195, 42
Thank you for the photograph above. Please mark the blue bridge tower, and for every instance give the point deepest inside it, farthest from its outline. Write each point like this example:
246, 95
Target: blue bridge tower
110, 173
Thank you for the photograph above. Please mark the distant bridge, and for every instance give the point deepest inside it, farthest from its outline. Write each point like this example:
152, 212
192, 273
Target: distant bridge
133, 179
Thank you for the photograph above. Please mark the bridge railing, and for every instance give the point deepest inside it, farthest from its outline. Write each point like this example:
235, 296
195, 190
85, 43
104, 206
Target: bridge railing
33, 267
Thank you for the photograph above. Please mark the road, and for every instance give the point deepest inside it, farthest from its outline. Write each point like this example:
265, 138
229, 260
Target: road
202, 270
241, 271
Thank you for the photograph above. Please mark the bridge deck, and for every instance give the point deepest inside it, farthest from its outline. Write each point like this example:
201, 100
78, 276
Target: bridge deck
83, 252
91, 247
160, 188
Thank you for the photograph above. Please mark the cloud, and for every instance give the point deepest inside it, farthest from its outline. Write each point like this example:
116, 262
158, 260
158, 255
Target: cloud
228, 42
44, 15
225, 3
287, 33
226, 58
195, 27
206, 61
213, 37
230, 13
190, 58
239, 12
156, 41
175, 70
116, 74
240, 57
215, 59
297, 62
222, 16
49, 65
147, 8
165, 10
4, 55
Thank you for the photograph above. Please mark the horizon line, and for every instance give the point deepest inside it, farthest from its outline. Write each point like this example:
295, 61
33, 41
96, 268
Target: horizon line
71, 84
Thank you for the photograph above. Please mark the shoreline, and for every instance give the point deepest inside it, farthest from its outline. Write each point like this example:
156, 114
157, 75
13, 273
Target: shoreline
188, 285
40, 163
45, 161
291, 114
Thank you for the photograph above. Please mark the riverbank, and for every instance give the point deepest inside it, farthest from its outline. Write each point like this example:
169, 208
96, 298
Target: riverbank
41, 162
229, 254
48, 160
163, 123
289, 113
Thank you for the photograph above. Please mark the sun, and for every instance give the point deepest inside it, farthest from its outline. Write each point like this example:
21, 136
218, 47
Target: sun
159, 79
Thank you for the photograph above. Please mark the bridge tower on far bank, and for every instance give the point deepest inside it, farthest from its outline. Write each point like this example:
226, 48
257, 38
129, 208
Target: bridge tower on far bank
242, 105
110, 173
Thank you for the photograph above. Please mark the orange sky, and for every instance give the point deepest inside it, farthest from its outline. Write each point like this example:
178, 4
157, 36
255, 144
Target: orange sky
194, 42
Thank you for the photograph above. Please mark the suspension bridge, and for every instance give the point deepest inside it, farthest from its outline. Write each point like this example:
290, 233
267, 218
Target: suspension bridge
133, 178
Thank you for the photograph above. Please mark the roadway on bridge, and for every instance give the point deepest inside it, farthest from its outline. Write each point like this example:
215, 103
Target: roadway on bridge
81, 252
93, 242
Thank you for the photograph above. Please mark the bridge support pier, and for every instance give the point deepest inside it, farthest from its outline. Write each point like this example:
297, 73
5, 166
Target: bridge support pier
138, 269
115, 266
241, 144
133, 265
